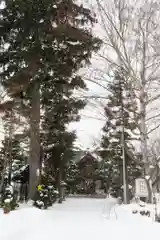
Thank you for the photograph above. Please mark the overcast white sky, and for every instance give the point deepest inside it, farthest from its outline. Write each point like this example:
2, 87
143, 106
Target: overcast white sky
89, 127
92, 117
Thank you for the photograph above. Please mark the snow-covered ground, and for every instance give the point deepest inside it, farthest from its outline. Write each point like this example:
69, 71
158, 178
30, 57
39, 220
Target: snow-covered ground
75, 219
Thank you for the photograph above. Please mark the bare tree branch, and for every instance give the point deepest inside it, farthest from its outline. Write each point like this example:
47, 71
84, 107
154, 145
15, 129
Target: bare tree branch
153, 129
150, 118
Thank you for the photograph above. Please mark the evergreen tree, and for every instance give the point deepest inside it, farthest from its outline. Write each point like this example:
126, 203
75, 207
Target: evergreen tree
72, 171
63, 110
72, 174
119, 110
11, 154
43, 41
11, 151
3, 158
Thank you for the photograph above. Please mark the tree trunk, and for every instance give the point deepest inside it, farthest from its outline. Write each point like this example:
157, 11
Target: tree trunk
143, 134
34, 160
125, 174
59, 185
149, 199
127, 184
10, 150
40, 165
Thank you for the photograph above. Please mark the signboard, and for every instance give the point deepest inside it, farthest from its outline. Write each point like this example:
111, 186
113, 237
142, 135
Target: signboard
141, 189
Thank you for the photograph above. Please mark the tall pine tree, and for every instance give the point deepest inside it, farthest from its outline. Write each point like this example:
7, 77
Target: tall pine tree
119, 110
58, 113
42, 40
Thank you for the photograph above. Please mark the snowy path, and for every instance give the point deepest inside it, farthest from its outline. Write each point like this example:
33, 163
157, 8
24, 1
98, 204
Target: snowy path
76, 219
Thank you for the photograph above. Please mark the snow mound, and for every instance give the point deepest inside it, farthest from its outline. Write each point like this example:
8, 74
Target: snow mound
79, 219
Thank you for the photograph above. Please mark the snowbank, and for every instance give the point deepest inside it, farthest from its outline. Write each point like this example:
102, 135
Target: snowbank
79, 219
143, 207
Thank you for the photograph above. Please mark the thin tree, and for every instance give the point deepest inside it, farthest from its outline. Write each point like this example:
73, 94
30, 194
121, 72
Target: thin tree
118, 132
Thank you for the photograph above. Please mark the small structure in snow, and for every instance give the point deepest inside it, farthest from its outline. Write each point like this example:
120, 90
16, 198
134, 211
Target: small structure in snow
141, 189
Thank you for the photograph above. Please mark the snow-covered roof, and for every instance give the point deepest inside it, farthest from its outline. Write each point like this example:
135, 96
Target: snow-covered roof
94, 154
78, 155
87, 153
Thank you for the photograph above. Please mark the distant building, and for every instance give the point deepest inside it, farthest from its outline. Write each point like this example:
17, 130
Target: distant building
90, 180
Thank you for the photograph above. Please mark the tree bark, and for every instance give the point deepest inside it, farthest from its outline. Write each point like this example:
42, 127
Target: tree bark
143, 130
125, 173
149, 199
127, 184
10, 150
34, 159
143, 135
60, 191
